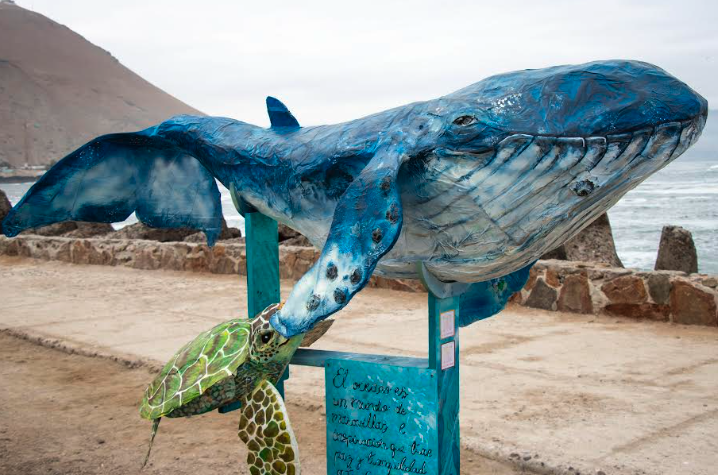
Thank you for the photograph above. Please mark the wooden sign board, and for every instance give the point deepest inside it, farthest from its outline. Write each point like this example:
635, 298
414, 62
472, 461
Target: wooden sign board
381, 419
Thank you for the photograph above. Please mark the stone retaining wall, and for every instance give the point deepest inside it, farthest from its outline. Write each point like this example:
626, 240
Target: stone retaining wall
593, 288
223, 258
553, 285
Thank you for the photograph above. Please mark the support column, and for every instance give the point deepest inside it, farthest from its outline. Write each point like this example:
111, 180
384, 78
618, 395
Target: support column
444, 359
262, 244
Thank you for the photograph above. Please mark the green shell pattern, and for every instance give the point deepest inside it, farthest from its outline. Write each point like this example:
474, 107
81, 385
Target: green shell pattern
211, 357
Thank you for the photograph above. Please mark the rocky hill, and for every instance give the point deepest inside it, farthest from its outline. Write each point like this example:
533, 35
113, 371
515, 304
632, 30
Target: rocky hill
58, 90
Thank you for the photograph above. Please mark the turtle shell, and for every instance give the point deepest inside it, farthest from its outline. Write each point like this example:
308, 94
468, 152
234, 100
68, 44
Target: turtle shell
211, 357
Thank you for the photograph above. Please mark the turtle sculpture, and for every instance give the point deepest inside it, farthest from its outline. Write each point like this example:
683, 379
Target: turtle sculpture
238, 361
465, 191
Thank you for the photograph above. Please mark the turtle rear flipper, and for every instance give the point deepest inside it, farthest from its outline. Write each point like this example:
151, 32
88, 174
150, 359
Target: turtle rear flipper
155, 425
264, 427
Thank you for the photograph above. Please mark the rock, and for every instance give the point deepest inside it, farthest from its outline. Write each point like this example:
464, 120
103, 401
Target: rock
238, 240
516, 298
559, 254
533, 275
5, 208
542, 296
73, 229
625, 289
197, 237
659, 287
299, 241
552, 278
56, 229
226, 234
693, 304
229, 233
87, 230
142, 231
575, 295
593, 244
650, 311
708, 280
285, 232
677, 250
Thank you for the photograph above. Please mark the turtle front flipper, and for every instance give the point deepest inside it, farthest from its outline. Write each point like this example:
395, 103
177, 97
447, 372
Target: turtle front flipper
367, 222
265, 429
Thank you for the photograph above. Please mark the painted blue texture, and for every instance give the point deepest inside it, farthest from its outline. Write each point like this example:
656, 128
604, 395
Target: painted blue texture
381, 419
595, 99
279, 115
366, 224
114, 175
480, 182
485, 299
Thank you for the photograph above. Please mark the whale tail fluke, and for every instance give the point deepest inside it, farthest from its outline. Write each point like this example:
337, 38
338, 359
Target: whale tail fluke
112, 176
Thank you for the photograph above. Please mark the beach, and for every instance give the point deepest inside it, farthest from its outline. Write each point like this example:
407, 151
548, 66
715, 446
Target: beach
540, 391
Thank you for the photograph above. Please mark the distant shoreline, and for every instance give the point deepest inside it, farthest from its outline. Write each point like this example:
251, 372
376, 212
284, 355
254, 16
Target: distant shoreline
18, 179
20, 175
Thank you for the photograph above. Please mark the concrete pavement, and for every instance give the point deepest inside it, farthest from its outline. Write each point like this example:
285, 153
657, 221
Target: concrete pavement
555, 392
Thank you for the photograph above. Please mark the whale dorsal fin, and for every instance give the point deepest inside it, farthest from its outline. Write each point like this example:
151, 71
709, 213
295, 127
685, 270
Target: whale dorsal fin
279, 115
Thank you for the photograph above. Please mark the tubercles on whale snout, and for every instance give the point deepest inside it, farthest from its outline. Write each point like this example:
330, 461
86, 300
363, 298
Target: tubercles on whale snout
583, 187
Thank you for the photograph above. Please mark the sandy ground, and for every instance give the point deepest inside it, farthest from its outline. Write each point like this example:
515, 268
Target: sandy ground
574, 393
72, 414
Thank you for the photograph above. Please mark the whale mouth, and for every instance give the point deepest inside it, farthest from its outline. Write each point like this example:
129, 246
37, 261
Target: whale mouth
496, 210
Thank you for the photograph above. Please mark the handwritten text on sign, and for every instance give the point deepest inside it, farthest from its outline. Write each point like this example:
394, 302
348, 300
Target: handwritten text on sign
381, 419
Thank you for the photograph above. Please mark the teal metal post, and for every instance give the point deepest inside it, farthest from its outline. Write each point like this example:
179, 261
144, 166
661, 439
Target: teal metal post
262, 262
444, 359
262, 267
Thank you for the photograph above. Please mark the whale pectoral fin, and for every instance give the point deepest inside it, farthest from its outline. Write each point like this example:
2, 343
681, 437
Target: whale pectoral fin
108, 178
367, 222
279, 115
485, 299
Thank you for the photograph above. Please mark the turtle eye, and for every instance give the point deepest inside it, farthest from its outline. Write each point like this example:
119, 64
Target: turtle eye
266, 337
465, 120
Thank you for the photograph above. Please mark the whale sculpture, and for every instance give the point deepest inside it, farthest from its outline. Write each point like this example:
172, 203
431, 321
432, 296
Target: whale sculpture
467, 189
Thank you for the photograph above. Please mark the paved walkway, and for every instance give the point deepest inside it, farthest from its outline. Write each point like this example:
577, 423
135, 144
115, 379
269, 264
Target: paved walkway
575, 393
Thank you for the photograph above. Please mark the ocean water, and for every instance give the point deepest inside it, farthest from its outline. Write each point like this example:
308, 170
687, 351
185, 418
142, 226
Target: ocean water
685, 193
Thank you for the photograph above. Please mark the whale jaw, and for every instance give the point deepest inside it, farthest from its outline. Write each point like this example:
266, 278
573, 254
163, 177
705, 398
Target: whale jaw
488, 214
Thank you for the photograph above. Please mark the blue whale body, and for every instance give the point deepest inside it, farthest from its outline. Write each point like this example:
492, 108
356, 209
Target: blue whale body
470, 188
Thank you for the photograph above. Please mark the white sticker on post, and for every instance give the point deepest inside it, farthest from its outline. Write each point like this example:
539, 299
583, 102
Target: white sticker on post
447, 355
447, 324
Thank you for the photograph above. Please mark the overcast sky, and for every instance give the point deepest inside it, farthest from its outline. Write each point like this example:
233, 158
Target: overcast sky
331, 61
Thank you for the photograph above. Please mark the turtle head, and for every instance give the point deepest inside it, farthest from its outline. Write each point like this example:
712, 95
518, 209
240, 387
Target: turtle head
267, 344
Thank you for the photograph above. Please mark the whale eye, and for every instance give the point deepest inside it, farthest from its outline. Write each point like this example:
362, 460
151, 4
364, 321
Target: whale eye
465, 120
